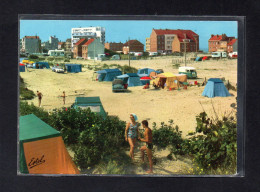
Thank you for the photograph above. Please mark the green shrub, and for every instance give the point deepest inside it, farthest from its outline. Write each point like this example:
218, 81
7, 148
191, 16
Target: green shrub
33, 57
128, 69
26, 109
50, 59
213, 145
67, 60
25, 93
167, 135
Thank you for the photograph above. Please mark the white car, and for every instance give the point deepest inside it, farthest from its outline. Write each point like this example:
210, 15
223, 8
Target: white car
58, 69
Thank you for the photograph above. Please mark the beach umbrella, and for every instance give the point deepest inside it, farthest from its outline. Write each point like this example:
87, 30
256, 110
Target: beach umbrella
145, 78
21, 64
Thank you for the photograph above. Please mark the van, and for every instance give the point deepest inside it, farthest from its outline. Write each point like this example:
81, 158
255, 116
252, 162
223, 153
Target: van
153, 53
219, 54
189, 71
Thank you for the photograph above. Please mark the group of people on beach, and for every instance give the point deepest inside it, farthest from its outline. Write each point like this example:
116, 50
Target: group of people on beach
132, 134
40, 95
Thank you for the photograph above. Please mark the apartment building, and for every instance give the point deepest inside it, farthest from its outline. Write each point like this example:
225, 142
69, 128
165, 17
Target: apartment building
232, 46
77, 49
168, 41
87, 33
31, 44
219, 42
133, 46
92, 48
114, 46
147, 44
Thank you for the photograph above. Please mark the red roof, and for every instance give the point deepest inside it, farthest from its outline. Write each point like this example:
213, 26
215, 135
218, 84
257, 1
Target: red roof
216, 38
179, 32
80, 41
31, 37
232, 42
131, 42
89, 42
60, 43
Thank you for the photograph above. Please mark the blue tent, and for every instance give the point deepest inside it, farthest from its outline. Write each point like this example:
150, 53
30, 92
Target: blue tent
41, 65
108, 74
198, 58
215, 88
132, 79
22, 68
73, 68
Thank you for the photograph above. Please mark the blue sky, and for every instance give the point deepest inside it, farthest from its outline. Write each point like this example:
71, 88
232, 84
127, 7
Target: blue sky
121, 30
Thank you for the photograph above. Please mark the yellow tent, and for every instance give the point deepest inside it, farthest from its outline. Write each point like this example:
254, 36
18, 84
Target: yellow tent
167, 78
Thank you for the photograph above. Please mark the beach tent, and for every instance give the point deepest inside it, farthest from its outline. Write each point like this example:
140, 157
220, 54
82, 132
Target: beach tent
132, 79
215, 88
93, 103
42, 150
108, 74
145, 80
168, 78
198, 58
21, 67
41, 65
73, 68
181, 77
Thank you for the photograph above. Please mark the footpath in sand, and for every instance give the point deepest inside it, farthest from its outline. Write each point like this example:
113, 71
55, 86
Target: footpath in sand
154, 105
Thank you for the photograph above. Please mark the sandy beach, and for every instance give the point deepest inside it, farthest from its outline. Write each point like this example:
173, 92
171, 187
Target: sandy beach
154, 105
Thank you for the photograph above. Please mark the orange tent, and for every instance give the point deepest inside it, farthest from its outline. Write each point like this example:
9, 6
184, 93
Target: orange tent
42, 150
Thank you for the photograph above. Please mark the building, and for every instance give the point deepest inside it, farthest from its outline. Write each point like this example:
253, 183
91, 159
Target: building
87, 33
168, 41
67, 46
51, 44
135, 46
114, 46
92, 48
147, 44
219, 42
31, 44
77, 49
56, 53
232, 46
61, 45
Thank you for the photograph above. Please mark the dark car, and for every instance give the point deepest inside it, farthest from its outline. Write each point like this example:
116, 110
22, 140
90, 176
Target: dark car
118, 85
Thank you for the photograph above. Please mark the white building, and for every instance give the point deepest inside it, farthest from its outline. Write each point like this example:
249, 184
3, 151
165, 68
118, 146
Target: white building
87, 32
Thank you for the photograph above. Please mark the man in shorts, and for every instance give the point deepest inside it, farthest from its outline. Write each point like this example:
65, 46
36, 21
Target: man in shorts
39, 95
148, 144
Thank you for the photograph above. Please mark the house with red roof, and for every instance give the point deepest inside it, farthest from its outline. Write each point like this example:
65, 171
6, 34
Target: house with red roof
77, 49
114, 46
133, 46
232, 46
219, 42
168, 41
92, 48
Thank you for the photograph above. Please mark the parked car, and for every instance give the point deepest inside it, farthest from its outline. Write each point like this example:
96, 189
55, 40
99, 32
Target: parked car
118, 85
189, 71
29, 65
59, 69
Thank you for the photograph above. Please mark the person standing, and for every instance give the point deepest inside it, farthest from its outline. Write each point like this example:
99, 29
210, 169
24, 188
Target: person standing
132, 133
63, 96
148, 139
40, 95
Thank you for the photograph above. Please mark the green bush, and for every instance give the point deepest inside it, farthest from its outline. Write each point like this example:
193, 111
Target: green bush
213, 145
167, 135
25, 93
50, 58
33, 57
128, 69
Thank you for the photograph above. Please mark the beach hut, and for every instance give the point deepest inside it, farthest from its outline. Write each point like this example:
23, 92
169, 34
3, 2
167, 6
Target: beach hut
41, 65
198, 58
215, 88
73, 68
168, 79
108, 74
21, 67
42, 150
131, 79
93, 103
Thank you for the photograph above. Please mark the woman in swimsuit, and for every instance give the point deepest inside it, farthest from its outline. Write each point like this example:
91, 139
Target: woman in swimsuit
132, 133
